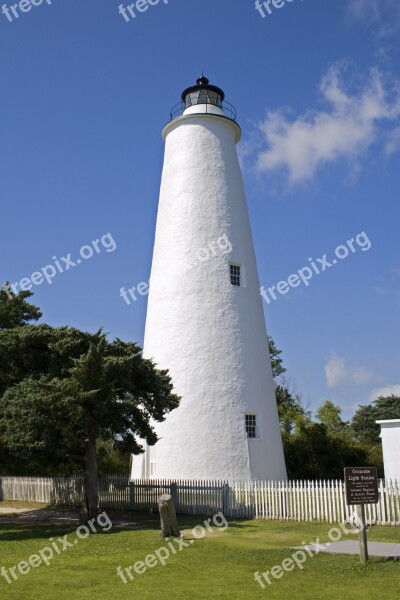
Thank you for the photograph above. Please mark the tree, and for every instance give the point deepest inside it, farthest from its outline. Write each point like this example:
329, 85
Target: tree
288, 401
276, 361
312, 453
62, 390
289, 407
322, 449
15, 311
329, 415
364, 421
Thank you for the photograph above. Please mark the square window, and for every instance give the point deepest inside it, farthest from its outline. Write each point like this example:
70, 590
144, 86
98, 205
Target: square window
235, 275
251, 426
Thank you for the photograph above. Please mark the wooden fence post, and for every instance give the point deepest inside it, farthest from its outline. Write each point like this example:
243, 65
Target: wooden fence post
131, 495
169, 523
174, 493
225, 500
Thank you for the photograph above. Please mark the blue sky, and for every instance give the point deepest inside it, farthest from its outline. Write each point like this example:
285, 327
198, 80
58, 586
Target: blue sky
83, 99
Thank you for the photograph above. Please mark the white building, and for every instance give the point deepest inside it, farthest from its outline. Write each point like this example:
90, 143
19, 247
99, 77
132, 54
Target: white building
390, 434
205, 320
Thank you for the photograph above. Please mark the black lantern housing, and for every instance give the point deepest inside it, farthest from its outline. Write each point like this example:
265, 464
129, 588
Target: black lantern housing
203, 93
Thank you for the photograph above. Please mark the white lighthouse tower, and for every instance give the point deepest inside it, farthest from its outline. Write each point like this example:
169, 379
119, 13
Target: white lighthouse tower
205, 320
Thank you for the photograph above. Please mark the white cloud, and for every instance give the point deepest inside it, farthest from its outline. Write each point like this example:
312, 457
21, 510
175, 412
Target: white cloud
387, 390
339, 372
383, 14
345, 129
364, 9
335, 371
393, 142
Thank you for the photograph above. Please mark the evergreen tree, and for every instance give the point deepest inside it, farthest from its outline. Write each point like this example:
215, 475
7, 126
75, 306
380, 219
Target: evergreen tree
62, 390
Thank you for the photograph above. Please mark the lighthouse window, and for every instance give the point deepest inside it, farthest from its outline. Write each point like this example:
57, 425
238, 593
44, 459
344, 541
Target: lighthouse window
214, 98
251, 426
192, 98
203, 97
235, 275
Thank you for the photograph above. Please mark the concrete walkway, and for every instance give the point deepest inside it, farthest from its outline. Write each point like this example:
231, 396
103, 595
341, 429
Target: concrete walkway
382, 549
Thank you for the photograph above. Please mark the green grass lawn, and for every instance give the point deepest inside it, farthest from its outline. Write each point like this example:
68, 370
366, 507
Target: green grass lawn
220, 565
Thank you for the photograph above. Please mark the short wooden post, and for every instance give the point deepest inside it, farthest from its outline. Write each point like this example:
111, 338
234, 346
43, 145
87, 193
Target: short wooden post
363, 533
169, 523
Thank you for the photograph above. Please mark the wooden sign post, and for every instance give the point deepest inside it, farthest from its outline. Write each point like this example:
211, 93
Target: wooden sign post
361, 485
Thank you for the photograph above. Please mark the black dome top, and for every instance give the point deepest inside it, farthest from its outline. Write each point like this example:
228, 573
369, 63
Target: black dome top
202, 83
202, 80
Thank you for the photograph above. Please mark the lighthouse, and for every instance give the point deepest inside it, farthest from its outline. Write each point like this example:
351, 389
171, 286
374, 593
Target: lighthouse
205, 320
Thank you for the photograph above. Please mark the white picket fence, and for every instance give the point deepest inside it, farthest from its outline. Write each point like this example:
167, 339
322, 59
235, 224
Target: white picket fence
322, 501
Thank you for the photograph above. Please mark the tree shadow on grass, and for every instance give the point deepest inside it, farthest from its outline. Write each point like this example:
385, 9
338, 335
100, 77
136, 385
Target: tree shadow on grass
18, 533
45, 523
